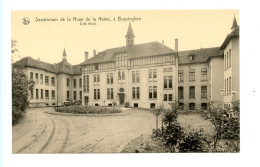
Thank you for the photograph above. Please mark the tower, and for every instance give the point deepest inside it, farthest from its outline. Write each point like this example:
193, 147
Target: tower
64, 55
234, 25
130, 36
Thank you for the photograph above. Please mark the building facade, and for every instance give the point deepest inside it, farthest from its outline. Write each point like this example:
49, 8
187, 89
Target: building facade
142, 75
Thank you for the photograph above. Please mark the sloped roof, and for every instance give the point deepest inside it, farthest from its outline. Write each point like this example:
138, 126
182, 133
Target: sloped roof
201, 55
130, 30
234, 33
136, 51
61, 67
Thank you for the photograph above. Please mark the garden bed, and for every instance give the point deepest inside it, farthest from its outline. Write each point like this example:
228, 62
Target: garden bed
78, 110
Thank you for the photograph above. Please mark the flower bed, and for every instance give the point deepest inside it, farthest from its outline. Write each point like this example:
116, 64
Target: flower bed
76, 109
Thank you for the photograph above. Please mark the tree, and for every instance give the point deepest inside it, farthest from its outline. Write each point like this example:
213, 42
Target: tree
20, 90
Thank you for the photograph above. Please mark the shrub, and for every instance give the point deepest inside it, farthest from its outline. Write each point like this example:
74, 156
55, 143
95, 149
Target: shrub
77, 109
114, 103
127, 104
195, 141
20, 93
172, 135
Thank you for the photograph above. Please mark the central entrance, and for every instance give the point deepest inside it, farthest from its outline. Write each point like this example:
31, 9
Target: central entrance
121, 98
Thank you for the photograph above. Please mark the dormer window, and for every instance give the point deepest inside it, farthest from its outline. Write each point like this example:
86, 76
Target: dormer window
96, 66
192, 56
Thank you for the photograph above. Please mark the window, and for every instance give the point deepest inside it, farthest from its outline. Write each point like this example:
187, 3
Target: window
75, 95
96, 93
37, 94
87, 83
192, 91
96, 66
68, 94
41, 93
150, 92
152, 74
192, 75
80, 82
170, 97
191, 106
84, 83
121, 76
135, 76
53, 94
229, 57
96, 79
74, 83
225, 57
225, 90
109, 78
80, 95
180, 92
32, 94
167, 82
46, 80
165, 97
192, 57
227, 63
203, 91
136, 92
204, 106
181, 106
36, 77
31, 75
47, 94
52, 81
152, 105
204, 74
110, 93
68, 82
180, 75
121, 59
229, 85
41, 79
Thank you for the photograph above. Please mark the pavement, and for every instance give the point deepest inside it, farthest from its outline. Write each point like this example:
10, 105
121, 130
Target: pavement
42, 132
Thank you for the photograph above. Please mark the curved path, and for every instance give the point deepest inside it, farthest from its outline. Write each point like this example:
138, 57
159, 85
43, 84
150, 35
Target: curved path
40, 132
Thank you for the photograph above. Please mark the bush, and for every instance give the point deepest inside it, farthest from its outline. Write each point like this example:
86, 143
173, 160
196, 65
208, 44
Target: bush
77, 109
20, 93
195, 141
172, 135
127, 104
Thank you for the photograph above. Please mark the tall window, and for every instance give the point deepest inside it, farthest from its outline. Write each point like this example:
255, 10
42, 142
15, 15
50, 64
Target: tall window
32, 94
225, 90
53, 94
152, 92
68, 94
96, 79
229, 85
52, 81
152, 74
192, 75
75, 95
121, 59
227, 61
167, 97
46, 80
136, 92
167, 81
41, 93
135, 76
31, 75
110, 78
180, 76
96, 93
192, 91
41, 78
74, 83
203, 91
180, 92
229, 57
68, 82
46, 94
96, 66
225, 57
80, 82
87, 83
110, 93
37, 94
36, 77
80, 95
84, 83
121, 76
204, 74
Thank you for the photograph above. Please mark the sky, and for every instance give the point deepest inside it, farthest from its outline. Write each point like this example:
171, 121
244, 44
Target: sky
46, 40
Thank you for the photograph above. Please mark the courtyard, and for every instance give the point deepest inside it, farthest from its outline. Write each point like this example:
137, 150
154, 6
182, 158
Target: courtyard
42, 132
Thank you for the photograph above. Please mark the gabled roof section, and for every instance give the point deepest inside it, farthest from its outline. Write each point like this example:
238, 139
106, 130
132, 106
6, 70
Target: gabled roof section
201, 55
136, 51
62, 67
30, 62
234, 33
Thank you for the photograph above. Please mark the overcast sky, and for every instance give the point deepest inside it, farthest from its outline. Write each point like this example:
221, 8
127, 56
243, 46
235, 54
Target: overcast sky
47, 39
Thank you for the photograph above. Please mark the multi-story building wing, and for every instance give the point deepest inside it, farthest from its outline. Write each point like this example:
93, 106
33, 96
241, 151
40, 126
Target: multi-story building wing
230, 47
142, 75
53, 82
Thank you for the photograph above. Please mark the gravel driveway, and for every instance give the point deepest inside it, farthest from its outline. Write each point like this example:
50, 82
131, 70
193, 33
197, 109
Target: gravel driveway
39, 132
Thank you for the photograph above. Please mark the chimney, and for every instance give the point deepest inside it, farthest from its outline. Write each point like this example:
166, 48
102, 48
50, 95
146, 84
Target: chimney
86, 56
39, 59
162, 41
176, 45
94, 53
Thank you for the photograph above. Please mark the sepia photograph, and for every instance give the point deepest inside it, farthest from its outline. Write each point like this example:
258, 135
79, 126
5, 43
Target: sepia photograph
139, 81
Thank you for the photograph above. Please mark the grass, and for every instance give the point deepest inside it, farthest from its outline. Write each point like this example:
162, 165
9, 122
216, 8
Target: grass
77, 109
